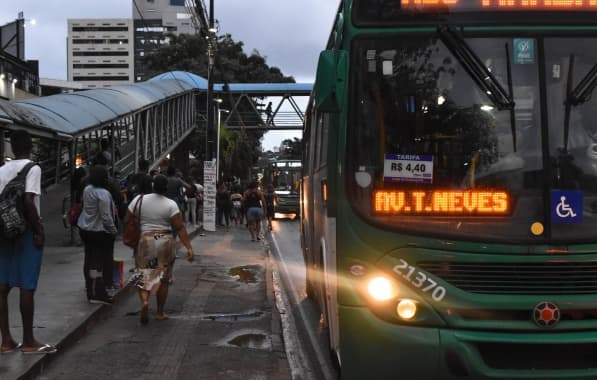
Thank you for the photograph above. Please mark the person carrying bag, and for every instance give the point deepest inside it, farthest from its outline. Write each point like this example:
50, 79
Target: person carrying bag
132, 225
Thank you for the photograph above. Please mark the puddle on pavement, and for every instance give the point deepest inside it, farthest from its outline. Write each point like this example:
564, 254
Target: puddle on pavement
258, 341
234, 317
246, 274
247, 338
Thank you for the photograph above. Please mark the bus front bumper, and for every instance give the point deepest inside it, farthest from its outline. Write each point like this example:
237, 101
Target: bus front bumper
374, 349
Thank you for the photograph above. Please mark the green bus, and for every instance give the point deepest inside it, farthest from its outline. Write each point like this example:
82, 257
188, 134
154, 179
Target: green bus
284, 175
449, 190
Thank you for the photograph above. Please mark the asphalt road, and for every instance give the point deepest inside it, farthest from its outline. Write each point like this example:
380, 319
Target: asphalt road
305, 314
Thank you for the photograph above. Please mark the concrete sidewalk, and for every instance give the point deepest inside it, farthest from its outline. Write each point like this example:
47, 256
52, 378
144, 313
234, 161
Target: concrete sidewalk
62, 313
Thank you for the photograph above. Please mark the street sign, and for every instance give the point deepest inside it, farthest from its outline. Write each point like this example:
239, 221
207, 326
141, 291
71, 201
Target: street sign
209, 195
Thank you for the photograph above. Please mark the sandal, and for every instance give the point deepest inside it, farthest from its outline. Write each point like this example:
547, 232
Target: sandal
8, 350
41, 350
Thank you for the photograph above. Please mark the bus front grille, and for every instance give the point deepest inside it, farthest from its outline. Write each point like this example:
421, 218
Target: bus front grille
517, 278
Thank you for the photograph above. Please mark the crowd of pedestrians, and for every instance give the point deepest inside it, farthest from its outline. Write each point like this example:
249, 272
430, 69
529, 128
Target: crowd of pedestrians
102, 204
248, 208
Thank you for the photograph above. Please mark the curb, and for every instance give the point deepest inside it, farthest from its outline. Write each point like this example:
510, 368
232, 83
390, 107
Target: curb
97, 313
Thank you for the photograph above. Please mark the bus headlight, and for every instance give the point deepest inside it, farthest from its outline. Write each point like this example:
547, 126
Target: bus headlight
406, 309
381, 289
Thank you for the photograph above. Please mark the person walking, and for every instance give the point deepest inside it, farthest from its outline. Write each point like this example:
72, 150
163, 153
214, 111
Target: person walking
223, 205
270, 201
20, 259
140, 182
254, 202
156, 251
97, 227
175, 186
236, 198
200, 197
120, 207
191, 195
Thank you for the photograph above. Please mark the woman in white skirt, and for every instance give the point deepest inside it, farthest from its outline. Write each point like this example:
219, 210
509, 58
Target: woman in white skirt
154, 257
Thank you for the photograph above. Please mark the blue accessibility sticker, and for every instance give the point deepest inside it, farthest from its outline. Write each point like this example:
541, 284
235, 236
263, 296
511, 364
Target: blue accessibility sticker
524, 51
566, 206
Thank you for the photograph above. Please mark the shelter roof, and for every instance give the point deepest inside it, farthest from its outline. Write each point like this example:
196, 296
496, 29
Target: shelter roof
73, 113
76, 112
257, 89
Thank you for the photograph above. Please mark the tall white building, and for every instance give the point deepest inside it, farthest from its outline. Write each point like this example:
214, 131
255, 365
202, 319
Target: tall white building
100, 52
153, 20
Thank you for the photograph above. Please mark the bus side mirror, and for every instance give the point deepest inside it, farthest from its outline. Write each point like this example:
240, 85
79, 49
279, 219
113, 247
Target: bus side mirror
330, 81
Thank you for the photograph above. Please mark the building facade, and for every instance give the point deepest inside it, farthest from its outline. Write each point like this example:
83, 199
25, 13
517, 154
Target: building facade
100, 52
19, 79
153, 19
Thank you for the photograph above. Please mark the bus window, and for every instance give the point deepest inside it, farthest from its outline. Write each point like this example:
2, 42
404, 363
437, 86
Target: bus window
323, 126
422, 126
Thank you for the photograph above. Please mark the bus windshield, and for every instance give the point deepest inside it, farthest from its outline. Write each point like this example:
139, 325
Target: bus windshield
284, 175
433, 152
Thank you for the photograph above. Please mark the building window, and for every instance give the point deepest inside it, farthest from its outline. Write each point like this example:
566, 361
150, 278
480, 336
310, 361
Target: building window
102, 78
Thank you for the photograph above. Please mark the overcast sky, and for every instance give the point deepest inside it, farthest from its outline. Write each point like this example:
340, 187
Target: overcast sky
290, 33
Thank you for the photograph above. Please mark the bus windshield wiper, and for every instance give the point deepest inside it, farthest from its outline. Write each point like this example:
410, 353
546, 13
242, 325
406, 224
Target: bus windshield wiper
584, 89
580, 94
476, 69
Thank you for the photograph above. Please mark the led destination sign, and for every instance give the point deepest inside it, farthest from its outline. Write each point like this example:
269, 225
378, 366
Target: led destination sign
441, 202
496, 5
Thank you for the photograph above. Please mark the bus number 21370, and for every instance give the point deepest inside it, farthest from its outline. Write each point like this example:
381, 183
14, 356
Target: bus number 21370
420, 280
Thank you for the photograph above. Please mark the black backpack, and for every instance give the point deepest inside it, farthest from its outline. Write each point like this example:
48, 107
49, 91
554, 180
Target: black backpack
12, 205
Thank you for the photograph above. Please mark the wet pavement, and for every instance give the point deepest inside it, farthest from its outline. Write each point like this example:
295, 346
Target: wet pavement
223, 320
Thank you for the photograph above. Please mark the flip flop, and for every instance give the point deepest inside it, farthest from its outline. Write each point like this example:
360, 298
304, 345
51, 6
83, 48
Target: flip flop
6, 351
41, 350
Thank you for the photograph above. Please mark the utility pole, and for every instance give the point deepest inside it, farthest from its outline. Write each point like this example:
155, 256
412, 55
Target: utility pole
211, 53
209, 166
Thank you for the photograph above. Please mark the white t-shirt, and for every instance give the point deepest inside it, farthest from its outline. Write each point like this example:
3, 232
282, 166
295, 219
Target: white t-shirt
156, 211
10, 169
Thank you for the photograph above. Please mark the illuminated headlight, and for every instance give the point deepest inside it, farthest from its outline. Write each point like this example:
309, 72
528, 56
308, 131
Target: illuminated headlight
381, 289
406, 309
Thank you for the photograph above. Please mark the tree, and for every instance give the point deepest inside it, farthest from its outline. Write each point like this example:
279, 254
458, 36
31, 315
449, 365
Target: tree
292, 149
239, 150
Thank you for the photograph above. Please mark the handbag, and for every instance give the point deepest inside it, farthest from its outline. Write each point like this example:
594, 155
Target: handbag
74, 212
132, 226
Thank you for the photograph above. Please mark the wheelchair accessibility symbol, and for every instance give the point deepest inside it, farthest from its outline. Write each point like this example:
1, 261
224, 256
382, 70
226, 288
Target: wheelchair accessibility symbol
564, 210
566, 206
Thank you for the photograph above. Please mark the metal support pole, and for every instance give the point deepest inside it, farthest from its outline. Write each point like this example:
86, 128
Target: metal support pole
218, 144
209, 151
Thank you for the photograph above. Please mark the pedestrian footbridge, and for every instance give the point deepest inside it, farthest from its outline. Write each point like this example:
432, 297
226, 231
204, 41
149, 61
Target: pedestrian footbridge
146, 120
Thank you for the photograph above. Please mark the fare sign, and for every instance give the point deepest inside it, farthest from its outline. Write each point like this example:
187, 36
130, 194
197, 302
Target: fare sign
497, 5
442, 202
408, 168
